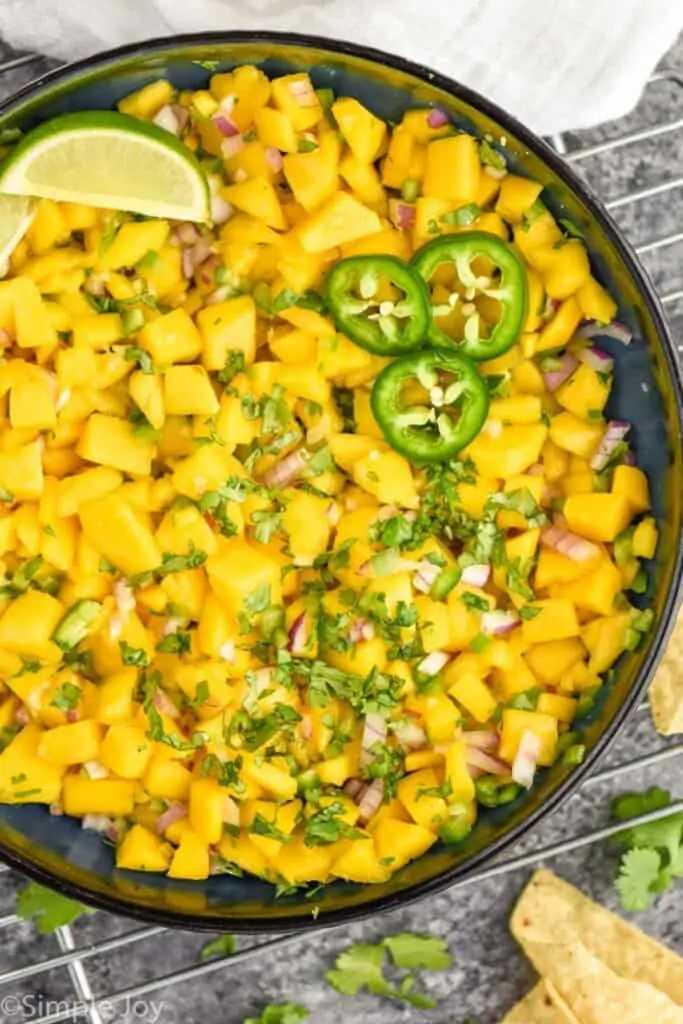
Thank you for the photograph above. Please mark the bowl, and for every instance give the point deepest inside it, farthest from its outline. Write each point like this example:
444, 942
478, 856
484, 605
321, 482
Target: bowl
56, 851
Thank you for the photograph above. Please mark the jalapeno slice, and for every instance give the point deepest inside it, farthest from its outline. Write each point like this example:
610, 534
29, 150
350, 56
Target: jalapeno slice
473, 298
430, 404
379, 302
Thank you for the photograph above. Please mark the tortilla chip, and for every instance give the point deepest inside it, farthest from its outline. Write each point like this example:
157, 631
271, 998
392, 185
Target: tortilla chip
551, 909
594, 993
666, 689
540, 1006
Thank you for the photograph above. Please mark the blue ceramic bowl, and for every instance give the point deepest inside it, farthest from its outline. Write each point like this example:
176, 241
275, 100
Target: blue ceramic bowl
56, 851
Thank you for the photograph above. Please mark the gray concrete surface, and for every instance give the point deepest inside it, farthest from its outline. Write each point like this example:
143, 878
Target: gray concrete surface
488, 973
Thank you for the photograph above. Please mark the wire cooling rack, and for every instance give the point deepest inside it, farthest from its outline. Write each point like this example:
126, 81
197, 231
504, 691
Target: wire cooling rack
657, 203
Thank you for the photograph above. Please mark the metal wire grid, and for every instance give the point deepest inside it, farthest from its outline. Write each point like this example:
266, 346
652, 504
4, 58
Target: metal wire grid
73, 958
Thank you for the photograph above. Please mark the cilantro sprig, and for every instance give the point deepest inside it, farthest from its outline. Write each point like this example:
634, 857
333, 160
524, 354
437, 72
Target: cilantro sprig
361, 966
47, 909
653, 852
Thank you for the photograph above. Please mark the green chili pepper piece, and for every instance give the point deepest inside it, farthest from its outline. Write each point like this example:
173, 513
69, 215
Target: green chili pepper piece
76, 624
384, 328
456, 416
511, 291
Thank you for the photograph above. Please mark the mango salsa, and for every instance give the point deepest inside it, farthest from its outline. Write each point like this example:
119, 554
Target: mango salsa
289, 589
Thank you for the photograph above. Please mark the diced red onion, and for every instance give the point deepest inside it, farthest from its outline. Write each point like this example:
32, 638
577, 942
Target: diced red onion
629, 459
225, 125
371, 801
232, 145
72, 716
173, 624
434, 663
94, 284
95, 770
526, 759
187, 233
554, 378
115, 830
168, 120
596, 358
410, 735
206, 271
182, 115
298, 634
231, 811
437, 118
286, 470
485, 762
333, 513
227, 104
559, 521
482, 739
174, 812
227, 651
194, 256
495, 172
569, 544
274, 158
303, 93
354, 787
21, 716
374, 731
402, 215
56, 809
97, 823
614, 434
361, 629
476, 575
424, 578
306, 727
164, 704
616, 330
498, 622
221, 211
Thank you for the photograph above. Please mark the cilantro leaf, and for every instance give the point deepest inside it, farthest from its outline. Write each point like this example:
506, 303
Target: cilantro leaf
655, 849
327, 826
48, 910
66, 697
361, 966
418, 951
267, 523
234, 363
133, 657
282, 1013
175, 643
135, 354
223, 945
638, 874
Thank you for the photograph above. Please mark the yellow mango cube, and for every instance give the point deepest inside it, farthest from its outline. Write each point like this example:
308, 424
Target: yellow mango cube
363, 132
554, 620
113, 797
474, 696
147, 391
598, 517
426, 809
73, 491
342, 219
21, 472
117, 532
168, 780
191, 860
188, 392
238, 570
133, 241
25, 778
32, 404
71, 744
457, 774
399, 842
111, 441
27, 624
632, 483
97, 331
142, 850
171, 338
228, 327
126, 751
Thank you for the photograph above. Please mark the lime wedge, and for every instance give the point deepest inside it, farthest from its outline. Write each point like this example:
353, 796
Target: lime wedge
102, 158
16, 213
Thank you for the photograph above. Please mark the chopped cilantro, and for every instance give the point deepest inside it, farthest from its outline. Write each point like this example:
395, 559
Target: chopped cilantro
362, 966
343, 399
418, 952
527, 700
385, 763
570, 228
327, 826
490, 156
267, 523
134, 657
306, 146
135, 354
66, 697
234, 363
178, 642
474, 602
529, 611
280, 1013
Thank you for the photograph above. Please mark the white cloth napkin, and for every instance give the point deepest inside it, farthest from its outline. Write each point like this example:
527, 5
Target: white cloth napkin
555, 64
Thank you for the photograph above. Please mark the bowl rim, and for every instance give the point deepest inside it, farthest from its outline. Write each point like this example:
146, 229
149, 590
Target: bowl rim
459, 874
